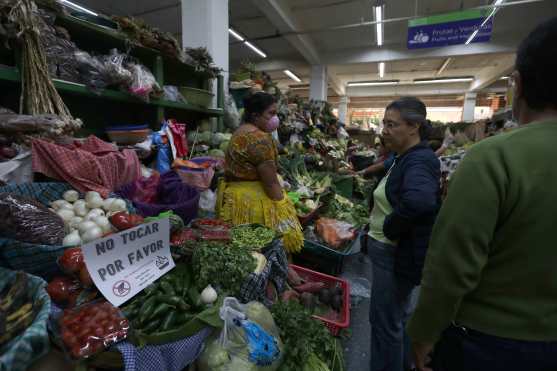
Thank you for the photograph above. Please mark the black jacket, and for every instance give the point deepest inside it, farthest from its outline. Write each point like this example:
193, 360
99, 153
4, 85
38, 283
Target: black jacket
413, 190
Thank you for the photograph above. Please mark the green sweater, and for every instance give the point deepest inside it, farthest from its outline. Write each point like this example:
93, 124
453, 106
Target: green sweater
492, 260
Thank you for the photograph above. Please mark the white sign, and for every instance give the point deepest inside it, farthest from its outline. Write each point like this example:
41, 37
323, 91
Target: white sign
123, 264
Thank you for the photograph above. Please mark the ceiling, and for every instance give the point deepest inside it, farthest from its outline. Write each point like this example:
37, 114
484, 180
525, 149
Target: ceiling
296, 34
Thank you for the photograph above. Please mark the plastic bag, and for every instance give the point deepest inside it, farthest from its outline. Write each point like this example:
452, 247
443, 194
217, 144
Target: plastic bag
249, 340
335, 232
91, 328
145, 189
27, 220
232, 117
143, 82
208, 200
172, 94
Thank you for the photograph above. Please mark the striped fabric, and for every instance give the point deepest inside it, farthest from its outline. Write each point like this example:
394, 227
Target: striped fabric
33, 343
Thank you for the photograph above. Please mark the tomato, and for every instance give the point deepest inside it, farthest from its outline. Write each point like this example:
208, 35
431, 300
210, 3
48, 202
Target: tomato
98, 331
60, 289
72, 260
122, 220
85, 277
76, 351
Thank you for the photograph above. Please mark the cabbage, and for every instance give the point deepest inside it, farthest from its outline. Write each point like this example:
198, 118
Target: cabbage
216, 153
224, 146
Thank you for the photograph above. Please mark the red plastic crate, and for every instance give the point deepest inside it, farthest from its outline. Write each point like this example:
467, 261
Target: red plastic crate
330, 282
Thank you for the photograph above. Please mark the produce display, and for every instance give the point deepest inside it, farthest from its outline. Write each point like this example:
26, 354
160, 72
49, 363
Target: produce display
17, 308
309, 343
224, 267
86, 219
254, 237
343, 209
168, 303
91, 328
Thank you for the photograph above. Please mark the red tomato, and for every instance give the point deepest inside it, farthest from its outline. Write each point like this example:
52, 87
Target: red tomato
98, 331
60, 289
122, 220
76, 351
72, 260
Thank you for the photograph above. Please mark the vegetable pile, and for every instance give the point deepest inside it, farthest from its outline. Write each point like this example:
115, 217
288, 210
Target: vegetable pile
222, 266
250, 236
168, 303
17, 309
305, 339
341, 208
91, 328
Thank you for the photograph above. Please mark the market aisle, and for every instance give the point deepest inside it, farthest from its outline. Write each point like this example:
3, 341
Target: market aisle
356, 348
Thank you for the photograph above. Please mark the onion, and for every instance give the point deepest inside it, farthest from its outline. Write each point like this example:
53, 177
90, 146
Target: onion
65, 214
56, 205
92, 234
71, 196
92, 194
208, 295
93, 213
80, 208
118, 205
95, 203
74, 222
107, 203
103, 223
85, 226
72, 239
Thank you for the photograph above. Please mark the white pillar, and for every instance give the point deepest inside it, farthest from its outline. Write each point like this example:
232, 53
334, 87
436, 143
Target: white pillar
205, 24
469, 107
343, 109
318, 85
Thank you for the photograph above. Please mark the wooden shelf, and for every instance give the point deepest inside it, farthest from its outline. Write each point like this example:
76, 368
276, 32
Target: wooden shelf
13, 75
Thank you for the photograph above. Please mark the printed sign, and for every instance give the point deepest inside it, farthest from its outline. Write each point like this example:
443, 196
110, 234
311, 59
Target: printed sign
123, 264
449, 29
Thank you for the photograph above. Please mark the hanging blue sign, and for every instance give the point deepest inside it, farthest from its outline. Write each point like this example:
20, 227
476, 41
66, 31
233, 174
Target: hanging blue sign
450, 29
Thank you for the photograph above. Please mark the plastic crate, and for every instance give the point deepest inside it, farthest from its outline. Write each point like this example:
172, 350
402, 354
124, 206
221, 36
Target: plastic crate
324, 259
330, 282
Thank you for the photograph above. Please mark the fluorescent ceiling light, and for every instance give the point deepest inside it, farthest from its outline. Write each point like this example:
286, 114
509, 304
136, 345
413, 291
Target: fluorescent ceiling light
444, 81
78, 7
504, 78
496, 3
378, 11
235, 34
445, 64
373, 83
255, 49
292, 76
381, 69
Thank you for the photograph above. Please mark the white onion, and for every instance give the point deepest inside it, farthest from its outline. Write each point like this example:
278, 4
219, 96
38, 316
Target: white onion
107, 203
85, 226
118, 205
93, 213
92, 194
92, 234
209, 295
75, 221
72, 239
95, 202
65, 214
71, 196
56, 205
103, 223
80, 208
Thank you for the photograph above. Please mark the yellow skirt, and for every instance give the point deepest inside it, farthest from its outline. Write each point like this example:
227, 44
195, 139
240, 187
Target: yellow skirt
247, 202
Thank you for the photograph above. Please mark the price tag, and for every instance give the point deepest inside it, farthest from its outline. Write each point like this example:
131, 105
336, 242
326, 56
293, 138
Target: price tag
124, 263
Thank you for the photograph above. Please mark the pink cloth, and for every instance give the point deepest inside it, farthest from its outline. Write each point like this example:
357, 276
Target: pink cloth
93, 165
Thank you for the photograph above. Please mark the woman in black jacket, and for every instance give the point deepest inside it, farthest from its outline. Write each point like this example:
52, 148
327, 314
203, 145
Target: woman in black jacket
406, 202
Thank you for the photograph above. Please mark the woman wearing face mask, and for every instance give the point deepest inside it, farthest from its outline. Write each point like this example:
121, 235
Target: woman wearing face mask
251, 192
406, 202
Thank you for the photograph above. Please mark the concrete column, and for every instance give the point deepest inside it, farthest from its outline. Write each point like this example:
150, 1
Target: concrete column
318, 84
469, 107
205, 24
343, 109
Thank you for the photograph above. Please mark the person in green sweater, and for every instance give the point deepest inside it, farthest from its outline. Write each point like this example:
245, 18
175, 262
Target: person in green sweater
488, 297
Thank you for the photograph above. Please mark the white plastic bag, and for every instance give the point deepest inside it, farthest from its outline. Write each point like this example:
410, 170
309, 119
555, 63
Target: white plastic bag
249, 340
208, 201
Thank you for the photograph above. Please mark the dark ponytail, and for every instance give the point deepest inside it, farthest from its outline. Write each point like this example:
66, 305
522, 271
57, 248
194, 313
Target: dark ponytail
413, 111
